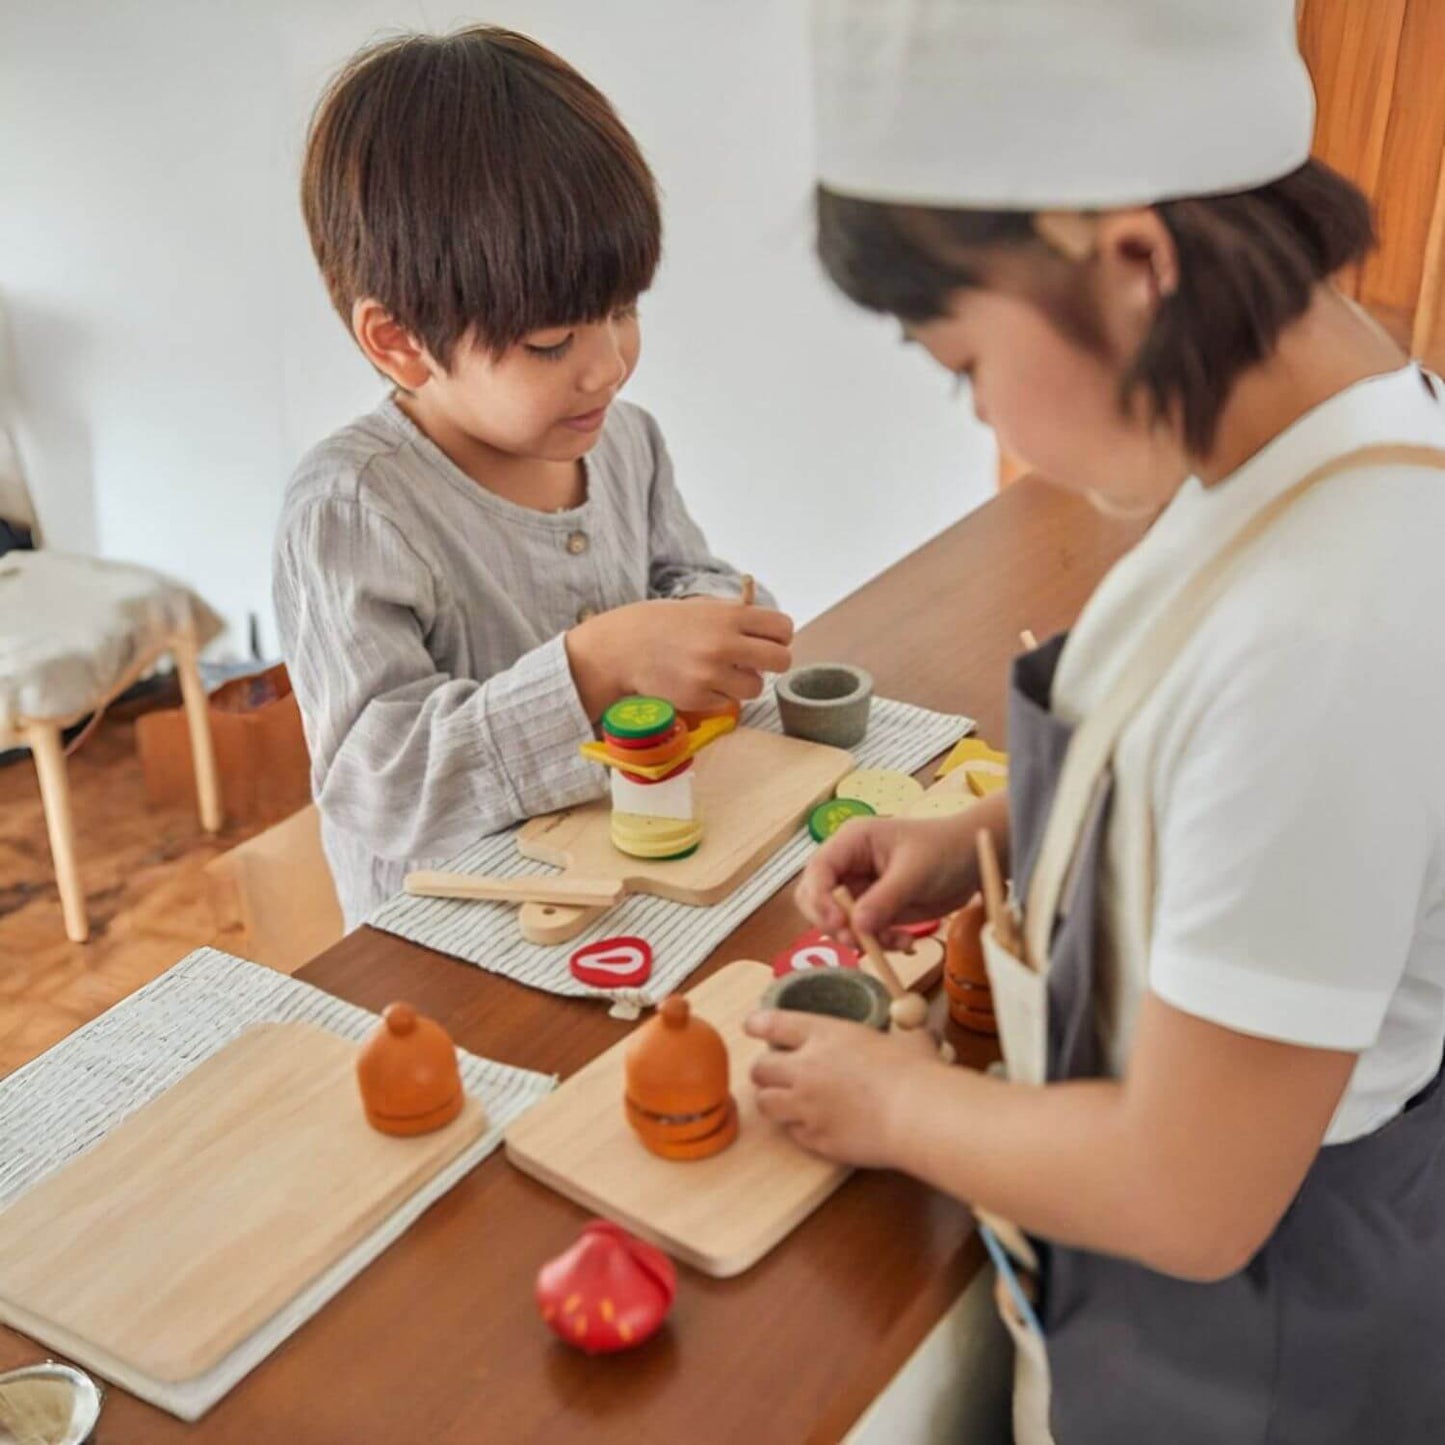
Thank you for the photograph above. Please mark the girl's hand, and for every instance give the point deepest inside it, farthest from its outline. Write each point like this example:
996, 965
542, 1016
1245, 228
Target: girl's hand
698, 653
837, 1088
898, 871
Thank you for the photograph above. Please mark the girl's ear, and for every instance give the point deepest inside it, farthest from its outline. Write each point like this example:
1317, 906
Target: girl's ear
1137, 254
389, 346
1136, 267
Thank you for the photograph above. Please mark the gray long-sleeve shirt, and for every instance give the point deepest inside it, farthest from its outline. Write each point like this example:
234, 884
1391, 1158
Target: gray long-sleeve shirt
422, 617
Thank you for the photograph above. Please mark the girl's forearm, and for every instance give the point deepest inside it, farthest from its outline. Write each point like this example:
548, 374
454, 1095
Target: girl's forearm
1058, 1161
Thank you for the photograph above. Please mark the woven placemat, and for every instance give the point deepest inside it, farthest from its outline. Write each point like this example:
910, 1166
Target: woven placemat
486, 934
69, 1098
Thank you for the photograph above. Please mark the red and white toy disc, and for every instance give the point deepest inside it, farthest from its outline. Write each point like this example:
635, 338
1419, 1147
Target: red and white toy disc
813, 950
613, 963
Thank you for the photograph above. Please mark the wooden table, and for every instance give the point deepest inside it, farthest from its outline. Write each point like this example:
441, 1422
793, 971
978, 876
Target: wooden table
438, 1342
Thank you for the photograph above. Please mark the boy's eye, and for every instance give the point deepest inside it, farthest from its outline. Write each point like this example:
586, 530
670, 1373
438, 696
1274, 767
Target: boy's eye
550, 350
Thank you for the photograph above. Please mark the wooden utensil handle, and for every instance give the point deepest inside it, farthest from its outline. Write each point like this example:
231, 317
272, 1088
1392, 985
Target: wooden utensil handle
567, 892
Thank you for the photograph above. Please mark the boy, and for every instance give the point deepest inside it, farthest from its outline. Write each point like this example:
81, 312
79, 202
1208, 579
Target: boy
469, 575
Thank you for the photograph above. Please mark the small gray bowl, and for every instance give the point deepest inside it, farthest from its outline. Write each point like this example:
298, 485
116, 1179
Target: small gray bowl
825, 703
839, 993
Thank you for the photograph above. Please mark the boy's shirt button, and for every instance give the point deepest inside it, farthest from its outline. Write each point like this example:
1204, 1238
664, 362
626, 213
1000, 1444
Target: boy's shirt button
577, 543
585, 613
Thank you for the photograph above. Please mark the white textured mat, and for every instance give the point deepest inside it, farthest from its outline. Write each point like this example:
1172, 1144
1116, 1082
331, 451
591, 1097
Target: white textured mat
486, 934
66, 1100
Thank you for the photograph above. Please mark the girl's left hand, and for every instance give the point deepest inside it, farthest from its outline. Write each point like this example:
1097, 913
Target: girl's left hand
837, 1088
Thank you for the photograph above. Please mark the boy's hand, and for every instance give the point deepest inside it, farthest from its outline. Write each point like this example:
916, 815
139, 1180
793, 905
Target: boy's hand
898, 870
838, 1089
698, 653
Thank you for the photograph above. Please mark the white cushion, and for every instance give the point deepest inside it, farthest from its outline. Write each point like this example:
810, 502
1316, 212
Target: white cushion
72, 629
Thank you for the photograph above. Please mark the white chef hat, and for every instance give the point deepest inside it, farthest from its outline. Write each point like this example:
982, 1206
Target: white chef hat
1035, 104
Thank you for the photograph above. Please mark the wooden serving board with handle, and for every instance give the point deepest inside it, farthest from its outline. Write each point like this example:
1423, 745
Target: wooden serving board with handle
720, 1215
753, 790
201, 1215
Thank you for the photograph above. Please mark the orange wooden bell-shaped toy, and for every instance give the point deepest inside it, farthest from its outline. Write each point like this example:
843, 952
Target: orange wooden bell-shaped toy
407, 1069
965, 975
678, 1099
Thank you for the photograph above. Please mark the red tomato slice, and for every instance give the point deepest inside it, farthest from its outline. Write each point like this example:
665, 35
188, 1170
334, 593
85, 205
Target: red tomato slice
613, 962
813, 950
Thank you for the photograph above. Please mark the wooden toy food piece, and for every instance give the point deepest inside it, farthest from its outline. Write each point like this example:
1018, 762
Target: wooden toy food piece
608, 1292
965, 978
621, 962
885, 790
829, 816
942, 801
812, 951
407, 1071
974, 765
649, 750
677, 1085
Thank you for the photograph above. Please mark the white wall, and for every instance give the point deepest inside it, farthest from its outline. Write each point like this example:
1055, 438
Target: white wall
176, 352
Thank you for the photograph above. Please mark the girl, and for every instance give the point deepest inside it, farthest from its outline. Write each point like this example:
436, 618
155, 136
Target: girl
1222, 1134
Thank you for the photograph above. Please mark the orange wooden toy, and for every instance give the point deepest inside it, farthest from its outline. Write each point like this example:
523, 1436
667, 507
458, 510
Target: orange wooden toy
677, 1085
407, 1069
965, 976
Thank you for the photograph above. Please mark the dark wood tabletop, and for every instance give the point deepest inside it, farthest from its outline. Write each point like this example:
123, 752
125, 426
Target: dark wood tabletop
438, 1341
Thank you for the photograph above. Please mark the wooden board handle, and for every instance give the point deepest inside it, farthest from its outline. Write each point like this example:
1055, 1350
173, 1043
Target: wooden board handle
566, 892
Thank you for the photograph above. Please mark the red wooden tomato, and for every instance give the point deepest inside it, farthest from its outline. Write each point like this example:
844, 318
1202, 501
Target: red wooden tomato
814, 950
608, 1292
613, 962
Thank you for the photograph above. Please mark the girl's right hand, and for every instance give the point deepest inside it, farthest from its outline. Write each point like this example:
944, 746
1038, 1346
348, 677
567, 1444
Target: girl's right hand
898, 871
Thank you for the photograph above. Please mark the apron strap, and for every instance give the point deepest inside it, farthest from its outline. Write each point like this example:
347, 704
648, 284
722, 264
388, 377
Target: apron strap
1086, 764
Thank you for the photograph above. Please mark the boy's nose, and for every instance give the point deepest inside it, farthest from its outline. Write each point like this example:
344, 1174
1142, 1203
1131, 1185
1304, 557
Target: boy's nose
607, 367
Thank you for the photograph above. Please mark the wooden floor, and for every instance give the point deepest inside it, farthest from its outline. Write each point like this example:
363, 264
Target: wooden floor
141, 867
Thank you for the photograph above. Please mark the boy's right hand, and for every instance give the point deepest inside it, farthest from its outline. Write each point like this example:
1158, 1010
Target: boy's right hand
697, 652
898, 870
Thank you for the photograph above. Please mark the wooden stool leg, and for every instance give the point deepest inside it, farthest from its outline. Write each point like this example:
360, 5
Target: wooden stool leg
198, 721
44, 742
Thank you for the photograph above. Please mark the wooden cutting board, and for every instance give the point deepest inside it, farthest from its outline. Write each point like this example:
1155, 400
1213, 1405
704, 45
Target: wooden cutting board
196, 1219
754, 789
720, 1215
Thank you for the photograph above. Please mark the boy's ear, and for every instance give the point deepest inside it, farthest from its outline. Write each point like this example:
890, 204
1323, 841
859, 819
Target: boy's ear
389, 346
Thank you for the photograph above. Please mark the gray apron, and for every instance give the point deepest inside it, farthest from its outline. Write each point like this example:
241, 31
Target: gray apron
1335, 1331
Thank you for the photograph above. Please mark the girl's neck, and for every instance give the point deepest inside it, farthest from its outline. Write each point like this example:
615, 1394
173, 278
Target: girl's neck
1333, 345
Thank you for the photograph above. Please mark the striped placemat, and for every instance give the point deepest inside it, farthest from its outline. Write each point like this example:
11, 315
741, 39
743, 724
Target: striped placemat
899, 736
69, 1098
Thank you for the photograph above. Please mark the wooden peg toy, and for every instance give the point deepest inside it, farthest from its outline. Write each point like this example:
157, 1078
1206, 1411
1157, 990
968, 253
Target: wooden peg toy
677, 1097
408, 1075
1000, 915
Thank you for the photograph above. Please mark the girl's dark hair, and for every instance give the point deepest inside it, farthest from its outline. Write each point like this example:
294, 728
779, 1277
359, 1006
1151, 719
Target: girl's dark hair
476, 185
1248, 263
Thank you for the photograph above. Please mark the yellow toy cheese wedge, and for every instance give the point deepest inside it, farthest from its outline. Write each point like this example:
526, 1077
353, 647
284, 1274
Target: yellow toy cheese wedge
971, 750
707, 731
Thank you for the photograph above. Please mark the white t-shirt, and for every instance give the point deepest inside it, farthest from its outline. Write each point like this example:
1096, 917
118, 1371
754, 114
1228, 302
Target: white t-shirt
1292, 760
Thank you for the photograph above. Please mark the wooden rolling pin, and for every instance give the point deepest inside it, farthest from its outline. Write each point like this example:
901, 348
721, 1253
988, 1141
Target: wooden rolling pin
564, 892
